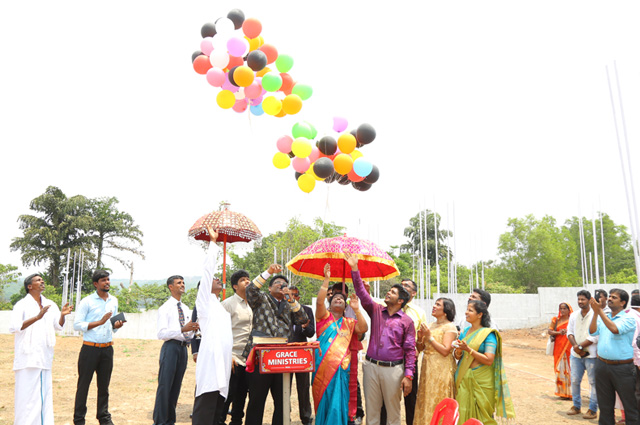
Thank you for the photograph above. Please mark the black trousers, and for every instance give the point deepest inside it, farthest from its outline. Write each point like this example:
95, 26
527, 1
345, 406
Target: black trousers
259, 386
409, 401
205, 408
173, 364
237, 397
100, 361
621, 379
304, 401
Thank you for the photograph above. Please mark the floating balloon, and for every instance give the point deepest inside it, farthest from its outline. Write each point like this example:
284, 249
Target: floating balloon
206, 46
301, 147
257, 60
356, 154
300, 164
292, 104
373, 176
302, 90
219, 59
361, 186
343, 163
243, 76
323, 167
271, 82
251, 27
365, 134
201, 65
225, 99
306, 183
240, 105
327, 145
208, 30
237, 17
271, 105
284, 144
271, 52
224, 26
235, 61
281, 160
362, 167
253, 90
354, 177
256, 110
340, 124
237, 46
314, 155
302, 129
194, 55
346, 143
284, 63
287, 83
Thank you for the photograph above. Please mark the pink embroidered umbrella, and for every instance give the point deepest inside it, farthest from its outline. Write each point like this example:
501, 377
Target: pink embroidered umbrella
231, 227
373, 262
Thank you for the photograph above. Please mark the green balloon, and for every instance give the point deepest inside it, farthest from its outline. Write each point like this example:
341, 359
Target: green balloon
314, 132
302, 129
284, 63
302, 90
272, 82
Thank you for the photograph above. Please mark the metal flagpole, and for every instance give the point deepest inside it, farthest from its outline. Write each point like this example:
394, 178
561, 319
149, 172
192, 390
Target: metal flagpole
582, 254
604, 264
448, 245
65, 288
590, 269
427, 278
73, 279
483, 275
79, 285
455, 252
435, 220
595, 249
421, 250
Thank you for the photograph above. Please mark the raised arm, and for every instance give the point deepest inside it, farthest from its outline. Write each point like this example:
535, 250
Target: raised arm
361, 324
365, 298
208, 271
321, 309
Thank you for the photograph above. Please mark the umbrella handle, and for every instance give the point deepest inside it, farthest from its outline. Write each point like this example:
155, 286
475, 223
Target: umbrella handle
224, 269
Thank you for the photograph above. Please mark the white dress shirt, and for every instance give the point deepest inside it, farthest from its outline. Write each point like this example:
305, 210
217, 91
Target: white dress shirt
169, 320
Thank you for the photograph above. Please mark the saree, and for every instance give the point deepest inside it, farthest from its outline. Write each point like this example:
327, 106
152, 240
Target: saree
561, 362
331, 378
483, 390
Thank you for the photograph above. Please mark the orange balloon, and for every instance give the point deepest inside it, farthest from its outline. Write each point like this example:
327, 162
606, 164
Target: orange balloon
346, 143
243, 76
263, 71
343, 163
270, 51
282, 112
291, 104
251, 27
235, 61
287, 83
354, 177
202, 64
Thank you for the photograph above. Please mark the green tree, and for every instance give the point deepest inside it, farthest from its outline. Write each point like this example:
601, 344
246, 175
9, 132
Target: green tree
8, 274
414, 232
61, 223
112, 229
534, 253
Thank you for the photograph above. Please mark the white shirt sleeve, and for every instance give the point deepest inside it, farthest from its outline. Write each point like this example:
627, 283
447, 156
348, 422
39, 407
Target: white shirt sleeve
571, 327
208, 271
17, 318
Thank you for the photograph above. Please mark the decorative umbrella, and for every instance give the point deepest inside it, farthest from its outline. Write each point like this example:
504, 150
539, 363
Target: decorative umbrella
231, 226
373, 262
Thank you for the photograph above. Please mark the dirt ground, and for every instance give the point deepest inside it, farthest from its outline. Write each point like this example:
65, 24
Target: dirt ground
133, 383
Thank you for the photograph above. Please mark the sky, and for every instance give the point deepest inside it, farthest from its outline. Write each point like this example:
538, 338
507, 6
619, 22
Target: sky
493, 109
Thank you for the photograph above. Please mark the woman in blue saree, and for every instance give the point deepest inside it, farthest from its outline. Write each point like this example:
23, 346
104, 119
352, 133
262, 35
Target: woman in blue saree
334, 332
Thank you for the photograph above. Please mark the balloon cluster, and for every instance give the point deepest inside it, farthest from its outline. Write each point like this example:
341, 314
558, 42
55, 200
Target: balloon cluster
234, 57
328, 159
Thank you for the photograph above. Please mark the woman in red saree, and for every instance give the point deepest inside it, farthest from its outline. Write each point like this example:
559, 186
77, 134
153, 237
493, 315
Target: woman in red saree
334, 332
561, 351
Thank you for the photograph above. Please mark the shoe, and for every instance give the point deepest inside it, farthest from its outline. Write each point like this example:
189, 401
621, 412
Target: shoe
590, 415
573, 411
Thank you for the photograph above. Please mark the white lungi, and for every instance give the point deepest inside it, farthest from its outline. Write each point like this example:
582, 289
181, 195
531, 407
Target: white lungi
34, 397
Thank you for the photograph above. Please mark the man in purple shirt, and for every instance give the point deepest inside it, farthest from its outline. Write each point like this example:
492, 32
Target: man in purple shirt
391, 355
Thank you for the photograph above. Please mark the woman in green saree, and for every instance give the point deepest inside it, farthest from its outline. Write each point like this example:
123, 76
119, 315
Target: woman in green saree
481, 383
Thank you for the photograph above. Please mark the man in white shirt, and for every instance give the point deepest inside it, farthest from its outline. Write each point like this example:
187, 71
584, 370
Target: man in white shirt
34, 320
176, 329
241, 318
583, 355
213, 368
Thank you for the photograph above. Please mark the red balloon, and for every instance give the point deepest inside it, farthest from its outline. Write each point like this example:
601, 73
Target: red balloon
251, 27
287, 83
354, 177
270, 51
234, 61
201, 65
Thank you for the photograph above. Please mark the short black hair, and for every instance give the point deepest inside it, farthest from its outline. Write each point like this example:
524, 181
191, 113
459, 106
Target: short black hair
484, 296
278, 276
99, 274
584, 293
338, 286
415, 287
635, 292
598, 293
624, 295
449, 308
236, 276
635, 300
28, 279
293, 288
403, 294
172, 278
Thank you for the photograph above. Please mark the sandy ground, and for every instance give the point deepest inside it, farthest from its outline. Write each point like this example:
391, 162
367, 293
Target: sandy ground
134, 380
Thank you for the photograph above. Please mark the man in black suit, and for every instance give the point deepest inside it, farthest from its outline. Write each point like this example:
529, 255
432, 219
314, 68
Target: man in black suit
300, 333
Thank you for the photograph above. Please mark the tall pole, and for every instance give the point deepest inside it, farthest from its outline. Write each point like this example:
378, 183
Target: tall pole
595, 249
604, 264
455, 252
583, 259
79, 284
435, 220
591, 268
65, 288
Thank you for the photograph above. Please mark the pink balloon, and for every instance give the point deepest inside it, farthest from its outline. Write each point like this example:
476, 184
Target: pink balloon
240, 105
228, 86
216, 77
253, 91
284, 144
256, 101
300, 164
340, 124
206, 45
315, 154
236, 47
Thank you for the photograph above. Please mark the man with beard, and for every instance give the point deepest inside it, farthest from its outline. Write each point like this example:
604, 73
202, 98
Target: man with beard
96, 355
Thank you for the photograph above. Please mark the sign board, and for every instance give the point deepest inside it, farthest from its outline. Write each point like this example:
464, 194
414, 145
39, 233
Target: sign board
287, 358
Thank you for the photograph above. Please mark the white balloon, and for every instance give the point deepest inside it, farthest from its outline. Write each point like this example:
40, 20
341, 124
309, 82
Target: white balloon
225, 26
240, 94
219, 58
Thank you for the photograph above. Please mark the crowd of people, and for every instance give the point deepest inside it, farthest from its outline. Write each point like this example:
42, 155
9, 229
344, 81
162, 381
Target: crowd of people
465, 364
601, 339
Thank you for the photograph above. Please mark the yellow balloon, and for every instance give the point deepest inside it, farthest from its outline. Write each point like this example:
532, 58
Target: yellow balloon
306, 183
271, 105
226, 99
291, 104
281, 160
243, 76
312, 173
263, 71
346, 143
356, 154
301, 147
260, 41
343, 163
254, 43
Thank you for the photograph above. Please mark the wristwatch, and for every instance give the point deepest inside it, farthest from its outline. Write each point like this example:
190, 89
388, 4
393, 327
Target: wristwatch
580, 347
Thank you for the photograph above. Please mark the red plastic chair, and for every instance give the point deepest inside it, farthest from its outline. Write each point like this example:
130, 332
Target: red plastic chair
447, 410
473, 421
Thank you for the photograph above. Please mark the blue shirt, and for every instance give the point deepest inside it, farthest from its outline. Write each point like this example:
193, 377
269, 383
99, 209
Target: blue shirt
616, 346
92, 308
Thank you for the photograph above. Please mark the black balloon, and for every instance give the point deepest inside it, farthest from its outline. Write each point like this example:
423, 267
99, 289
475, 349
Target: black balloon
323, 167
298, 175
231, 80
292, 155
333, 177
237, 17
257, 60
208, 30
365, 134
195, 55
373, 176
327, 145
361, 186
343, 180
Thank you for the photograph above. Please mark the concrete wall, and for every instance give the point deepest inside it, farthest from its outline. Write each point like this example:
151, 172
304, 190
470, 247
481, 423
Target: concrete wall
508, 311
